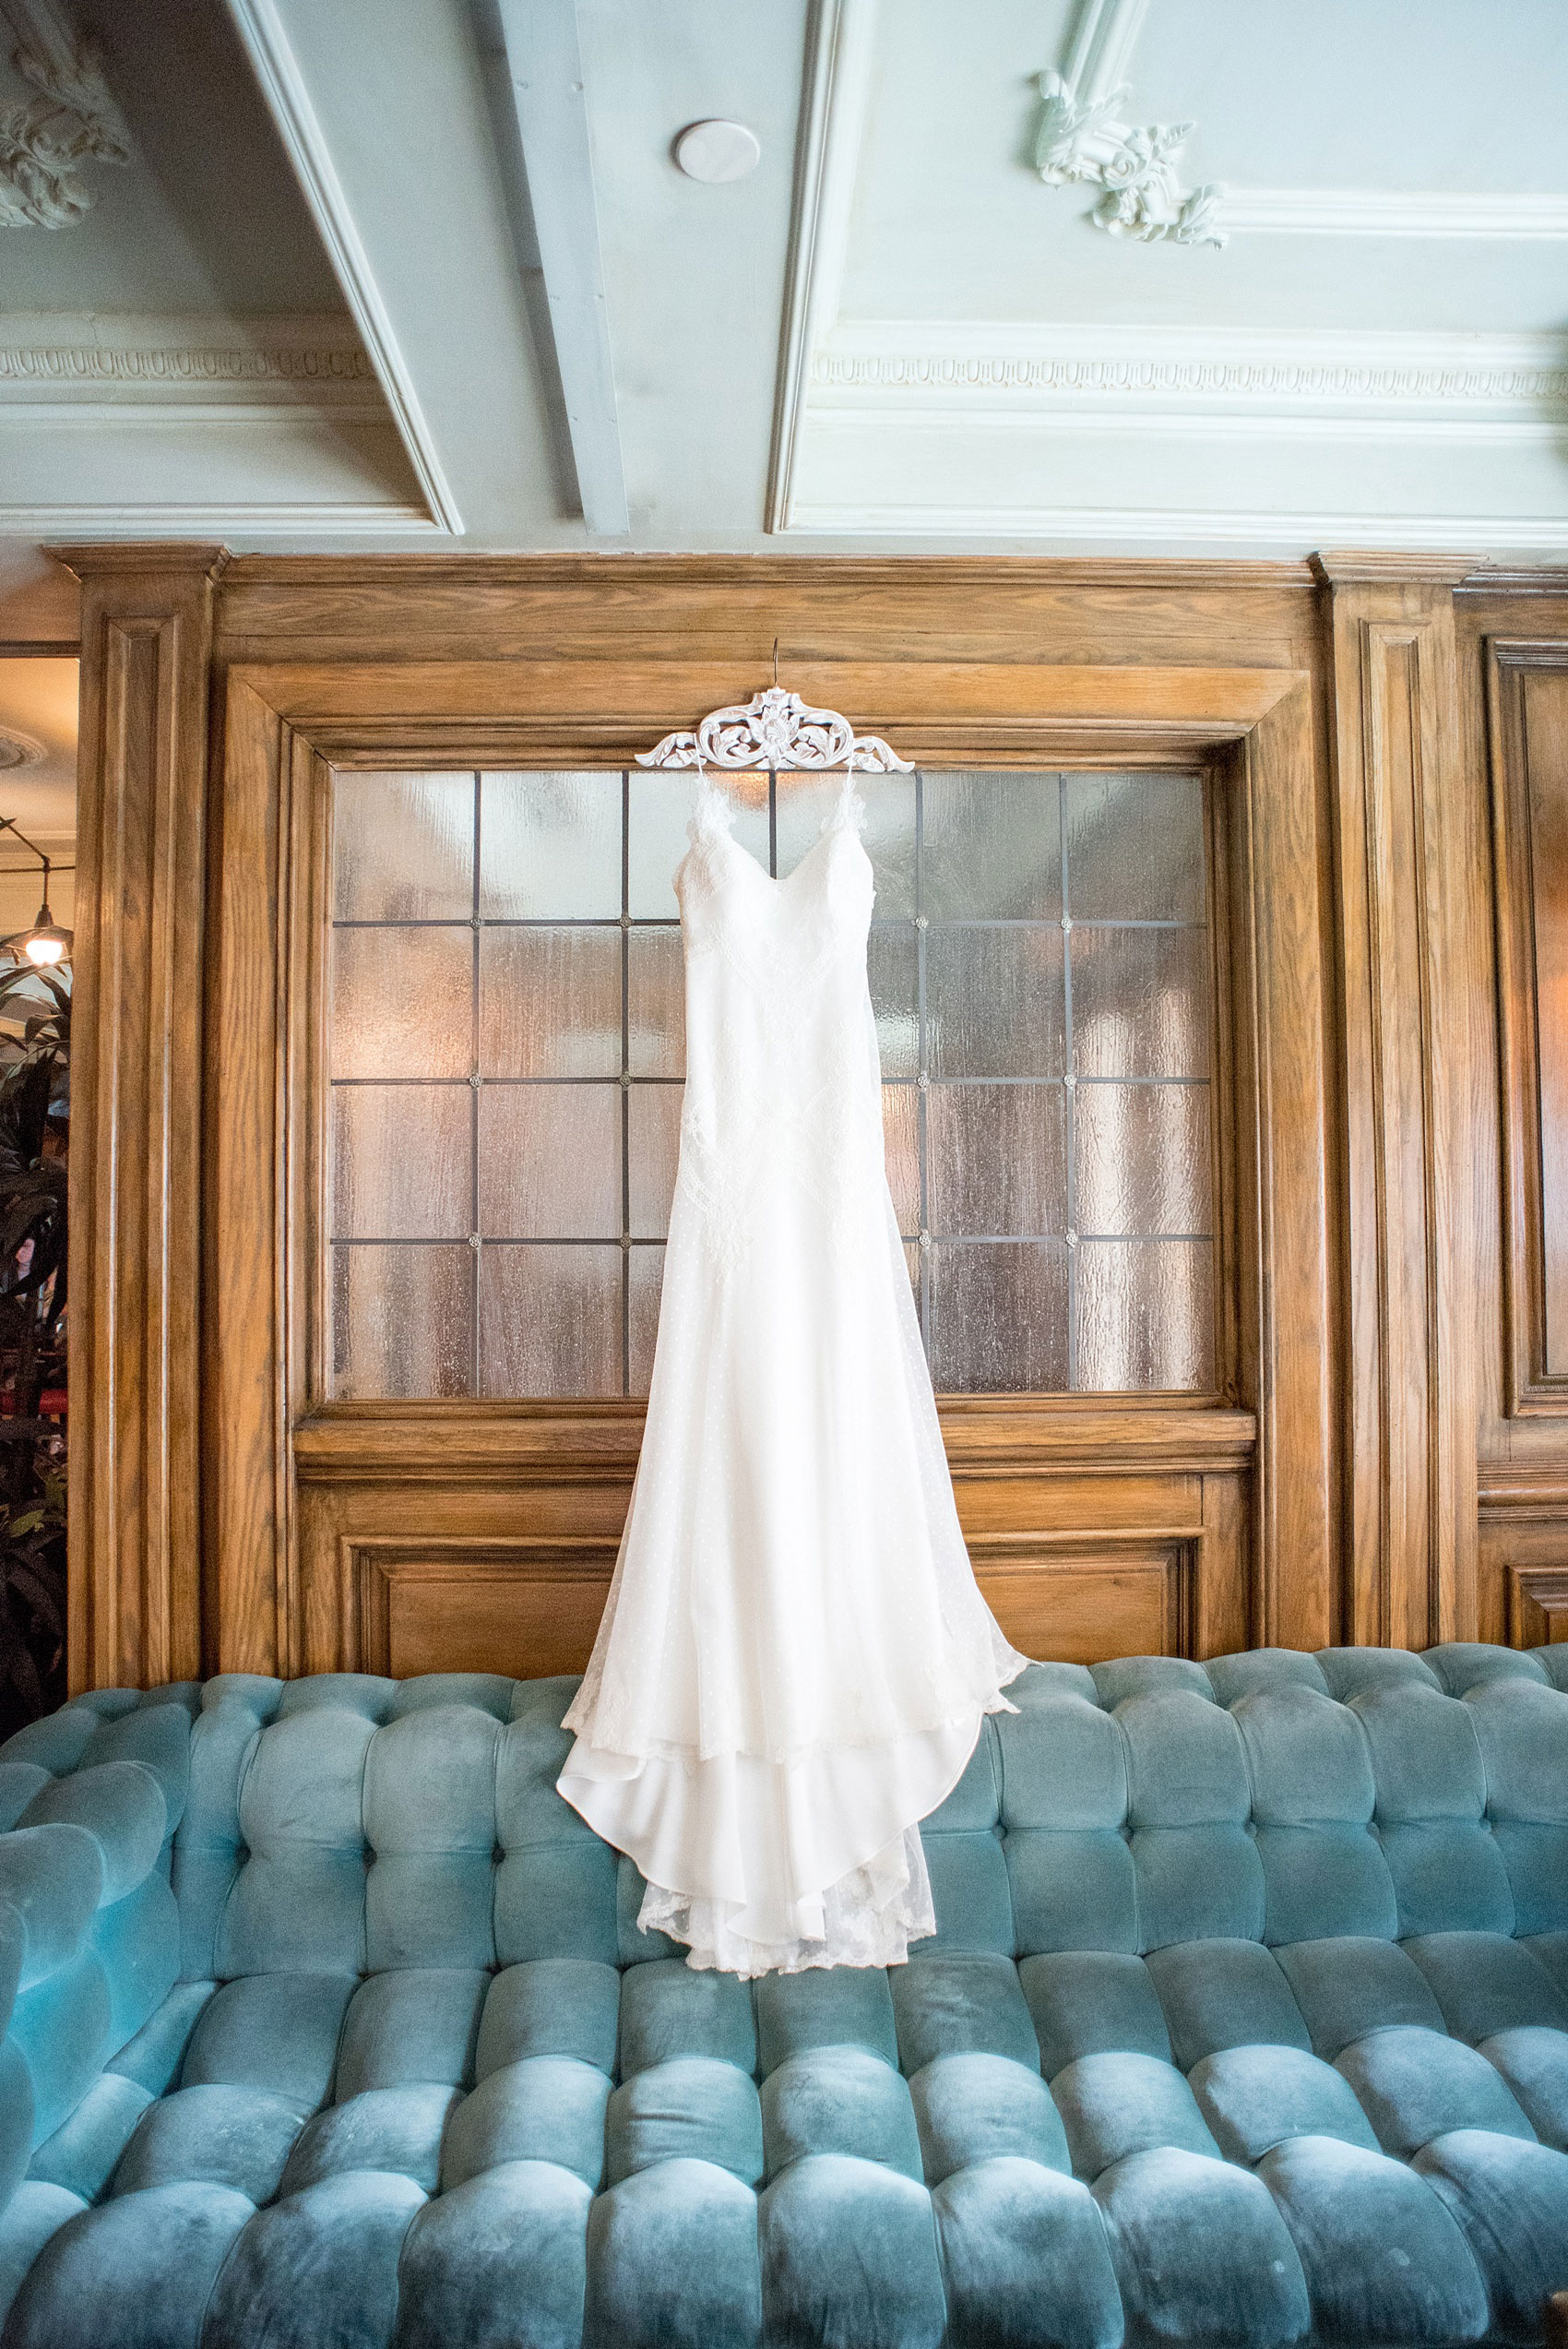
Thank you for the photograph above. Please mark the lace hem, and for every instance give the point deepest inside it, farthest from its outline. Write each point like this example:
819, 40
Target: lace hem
868, 1918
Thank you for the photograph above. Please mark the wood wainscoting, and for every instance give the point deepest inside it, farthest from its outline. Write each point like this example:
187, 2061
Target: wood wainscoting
1384, 1452
466, 1537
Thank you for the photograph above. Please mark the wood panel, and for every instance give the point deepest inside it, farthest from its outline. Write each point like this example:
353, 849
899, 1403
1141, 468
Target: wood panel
1405, 978
135, 1114
343, 1535
1527, 693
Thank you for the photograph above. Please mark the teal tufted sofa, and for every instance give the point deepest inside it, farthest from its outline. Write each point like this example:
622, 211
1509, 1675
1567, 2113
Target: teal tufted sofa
328, 2023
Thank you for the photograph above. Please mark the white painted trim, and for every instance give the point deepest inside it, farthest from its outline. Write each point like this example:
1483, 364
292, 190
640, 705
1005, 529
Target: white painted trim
1101, 51
975, 365
1160, 529
296, 360
1352, 211
834, 99
216, 521
544, 63
283, 86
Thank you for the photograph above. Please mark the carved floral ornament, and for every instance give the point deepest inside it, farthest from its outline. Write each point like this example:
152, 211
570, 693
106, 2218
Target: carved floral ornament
71, 120
776, 729
1080, 140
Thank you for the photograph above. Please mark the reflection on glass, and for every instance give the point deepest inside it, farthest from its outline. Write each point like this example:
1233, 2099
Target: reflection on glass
998, 1159
993, 1002
402, 1321
1142, 1159
893, 964
998, 1317
401, 1161
402, 1002
902, 1141
1144, 1315
550, 1161
992, 849
1039, 979
550, 1002
550, 848
1140, 1003
1135, 847
402, 847
644, 1283
655, 1004
653, 1139
550, 1321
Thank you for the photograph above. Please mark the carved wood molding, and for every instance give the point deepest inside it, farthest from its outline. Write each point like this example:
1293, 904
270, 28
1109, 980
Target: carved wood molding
1537, 1604
1409, 1106
1531, 1389
136, 1172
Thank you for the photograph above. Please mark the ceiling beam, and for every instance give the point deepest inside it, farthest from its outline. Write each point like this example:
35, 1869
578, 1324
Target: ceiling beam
544, 62
284, 85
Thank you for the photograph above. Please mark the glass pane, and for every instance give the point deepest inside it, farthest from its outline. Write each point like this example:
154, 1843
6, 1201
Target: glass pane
1144, 1315
656, 836
653, 1149
1140, 1003
1140, 1159
550, 847
992, 847
647, 1270
550, 1003
402, 1003
999, 1316
994, 1003
655, 1004
805, 802
402, 847
901, 1138
998, 1158
550, 1321
1135, 847
892, 961
550, 1161
402, 1321
401, 1161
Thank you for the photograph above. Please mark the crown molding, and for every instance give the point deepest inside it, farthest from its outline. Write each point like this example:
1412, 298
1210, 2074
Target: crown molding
1155, 527
69, 355
1338, 567
1456, 377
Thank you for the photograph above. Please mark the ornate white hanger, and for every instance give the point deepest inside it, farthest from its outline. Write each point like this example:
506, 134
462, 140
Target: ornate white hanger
776, 729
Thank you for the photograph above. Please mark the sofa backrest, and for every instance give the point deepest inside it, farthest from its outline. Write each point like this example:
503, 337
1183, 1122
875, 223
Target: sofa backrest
349, 1824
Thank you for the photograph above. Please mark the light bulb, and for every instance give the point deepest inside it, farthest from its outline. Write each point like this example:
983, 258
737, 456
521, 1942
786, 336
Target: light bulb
45, 947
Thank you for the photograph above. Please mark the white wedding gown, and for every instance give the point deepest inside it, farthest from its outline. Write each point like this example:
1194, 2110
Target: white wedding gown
794, 1659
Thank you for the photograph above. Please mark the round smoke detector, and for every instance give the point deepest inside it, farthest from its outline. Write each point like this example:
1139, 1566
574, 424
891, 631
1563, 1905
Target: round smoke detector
20, 750
717, 152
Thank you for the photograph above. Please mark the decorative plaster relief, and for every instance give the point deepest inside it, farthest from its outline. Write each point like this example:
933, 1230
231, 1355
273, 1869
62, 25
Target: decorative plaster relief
1082, 140
72, 121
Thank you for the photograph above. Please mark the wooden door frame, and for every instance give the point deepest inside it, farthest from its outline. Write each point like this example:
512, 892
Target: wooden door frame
271, 1609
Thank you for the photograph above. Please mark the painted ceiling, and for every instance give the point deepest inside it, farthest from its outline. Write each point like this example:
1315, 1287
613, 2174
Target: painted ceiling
1076, 276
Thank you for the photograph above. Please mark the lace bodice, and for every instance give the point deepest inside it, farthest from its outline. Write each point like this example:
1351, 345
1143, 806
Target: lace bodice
782, 1081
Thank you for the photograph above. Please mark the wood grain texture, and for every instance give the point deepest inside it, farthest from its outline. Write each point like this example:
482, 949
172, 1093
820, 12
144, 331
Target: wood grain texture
135, 1600
1528, 710
1405, 965
1329, 1488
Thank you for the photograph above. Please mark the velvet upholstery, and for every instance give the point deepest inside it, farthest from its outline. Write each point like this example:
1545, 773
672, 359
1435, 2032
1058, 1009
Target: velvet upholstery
1246, 2023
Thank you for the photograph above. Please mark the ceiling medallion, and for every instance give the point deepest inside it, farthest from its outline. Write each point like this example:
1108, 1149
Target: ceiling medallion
72, 120
778, 730
20, 750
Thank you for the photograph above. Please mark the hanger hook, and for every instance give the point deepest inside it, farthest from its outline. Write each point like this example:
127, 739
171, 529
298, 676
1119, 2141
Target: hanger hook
776, 660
